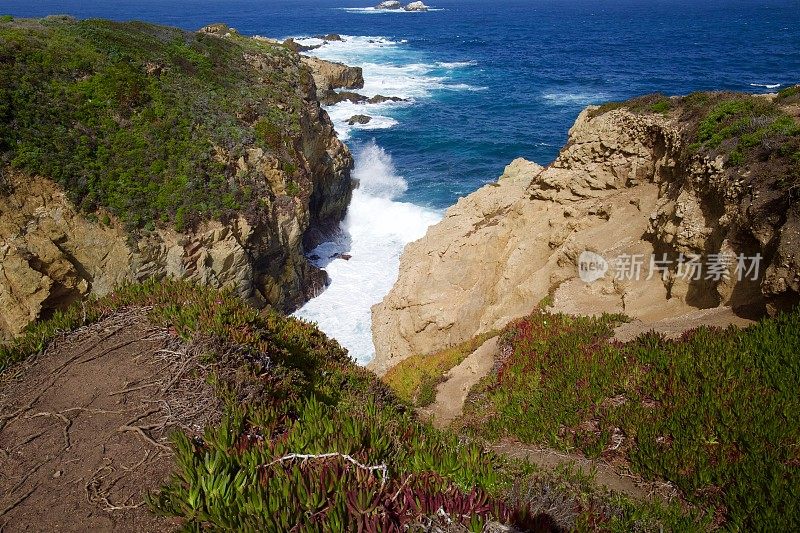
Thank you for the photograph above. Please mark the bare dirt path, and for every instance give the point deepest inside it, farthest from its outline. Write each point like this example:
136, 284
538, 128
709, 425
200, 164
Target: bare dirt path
673, 327
84, 427
452, 393
604, 474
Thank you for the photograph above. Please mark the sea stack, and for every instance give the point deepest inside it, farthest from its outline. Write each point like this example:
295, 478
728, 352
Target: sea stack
389, 4
416, 6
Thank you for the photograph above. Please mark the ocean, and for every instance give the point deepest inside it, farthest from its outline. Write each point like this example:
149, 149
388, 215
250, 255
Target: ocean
486, 82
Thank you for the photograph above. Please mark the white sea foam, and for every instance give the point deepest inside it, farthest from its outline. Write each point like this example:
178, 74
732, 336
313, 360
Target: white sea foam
377, 226
342, 112
376, 11
390, 70
376, 229
766, 85
577, 98
463, 87
452, 65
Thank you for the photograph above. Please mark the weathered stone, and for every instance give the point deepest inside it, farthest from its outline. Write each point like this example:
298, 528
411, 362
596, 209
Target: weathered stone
625, 183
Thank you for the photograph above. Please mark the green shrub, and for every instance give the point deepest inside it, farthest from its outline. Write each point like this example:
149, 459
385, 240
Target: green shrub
749, 129
292, 188
415, 378
6, 18
427, 392
789, 93
662, 106
133, 117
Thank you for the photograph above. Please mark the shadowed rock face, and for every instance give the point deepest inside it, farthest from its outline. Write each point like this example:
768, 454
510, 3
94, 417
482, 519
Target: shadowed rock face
626, 183
52, 255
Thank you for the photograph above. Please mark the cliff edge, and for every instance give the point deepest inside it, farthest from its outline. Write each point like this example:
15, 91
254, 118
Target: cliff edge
131, 151
667, 184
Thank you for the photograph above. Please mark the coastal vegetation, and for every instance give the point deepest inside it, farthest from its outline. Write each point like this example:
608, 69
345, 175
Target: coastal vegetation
147, 124
145, 121
415, 379
713, 412
744, 129
309, 438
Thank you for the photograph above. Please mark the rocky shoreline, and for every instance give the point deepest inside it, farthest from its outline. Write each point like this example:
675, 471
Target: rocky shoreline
628, 183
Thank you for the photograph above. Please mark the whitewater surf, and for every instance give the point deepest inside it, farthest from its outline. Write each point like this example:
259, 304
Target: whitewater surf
362, 262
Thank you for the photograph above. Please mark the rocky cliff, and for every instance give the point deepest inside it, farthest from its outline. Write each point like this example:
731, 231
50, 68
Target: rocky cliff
659, 183
205, 157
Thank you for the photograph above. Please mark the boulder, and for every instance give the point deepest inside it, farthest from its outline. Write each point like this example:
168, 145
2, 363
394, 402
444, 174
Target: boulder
389, 4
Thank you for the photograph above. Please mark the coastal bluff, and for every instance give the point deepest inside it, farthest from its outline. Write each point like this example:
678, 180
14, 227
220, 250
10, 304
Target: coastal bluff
203, 156
656, 177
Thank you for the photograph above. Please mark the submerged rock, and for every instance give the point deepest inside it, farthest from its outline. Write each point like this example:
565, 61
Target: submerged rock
379, 99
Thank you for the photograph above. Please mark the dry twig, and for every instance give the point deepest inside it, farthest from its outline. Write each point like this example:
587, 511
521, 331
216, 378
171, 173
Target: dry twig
382, 468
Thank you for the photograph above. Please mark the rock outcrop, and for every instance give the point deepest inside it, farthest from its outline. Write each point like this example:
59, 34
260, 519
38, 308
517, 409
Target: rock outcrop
49, 255
628, 185
416, 6
389, 4
329, 75
52, 253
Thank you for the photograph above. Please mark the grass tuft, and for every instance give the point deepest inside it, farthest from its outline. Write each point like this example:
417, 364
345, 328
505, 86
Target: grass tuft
415, 379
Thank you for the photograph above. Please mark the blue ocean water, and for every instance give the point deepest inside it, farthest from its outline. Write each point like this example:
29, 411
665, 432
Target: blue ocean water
488, 81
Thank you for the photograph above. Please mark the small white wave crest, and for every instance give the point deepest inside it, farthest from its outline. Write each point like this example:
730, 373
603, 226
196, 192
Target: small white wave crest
452, 65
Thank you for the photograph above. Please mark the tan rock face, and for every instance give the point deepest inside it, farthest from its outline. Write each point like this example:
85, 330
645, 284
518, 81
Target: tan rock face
329, 75
50, 256
623, 185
